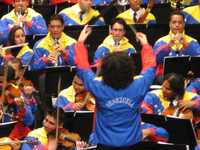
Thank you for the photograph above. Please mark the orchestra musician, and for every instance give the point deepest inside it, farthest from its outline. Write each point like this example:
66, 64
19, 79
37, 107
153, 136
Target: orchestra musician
176, 43
13, 106
117, 121
172, 97
31, 21
75, 97
45, 136
81, 14
114, 42
138, 15
24, 52
56, 48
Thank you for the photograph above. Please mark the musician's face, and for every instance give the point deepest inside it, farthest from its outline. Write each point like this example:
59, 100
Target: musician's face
49, 123
166, 90
56, 28
176, 24
135, 4
78, 85
117, 31
20, 5
19, 37
85, 5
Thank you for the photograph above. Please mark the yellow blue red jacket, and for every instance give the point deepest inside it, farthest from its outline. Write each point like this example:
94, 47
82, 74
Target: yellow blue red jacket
71, 16
43, 47
128, 17
162, 48
192, 14
108, 47
40, 137
36, 23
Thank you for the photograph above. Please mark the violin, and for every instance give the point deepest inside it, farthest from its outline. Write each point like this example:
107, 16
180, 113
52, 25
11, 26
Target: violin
176, 111
68, 139
87, 100
147, 11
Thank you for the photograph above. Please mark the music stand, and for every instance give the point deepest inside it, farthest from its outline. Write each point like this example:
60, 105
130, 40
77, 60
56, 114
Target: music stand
80, 122
181, 131
6, 128
182, 65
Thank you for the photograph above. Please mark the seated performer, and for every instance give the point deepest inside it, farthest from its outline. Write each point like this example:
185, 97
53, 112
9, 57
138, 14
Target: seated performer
31, 21
176, 43
137, 15
45, 136
75, 97
54, 49
81, 14
117, 121
172, 94
24, 53
115, 42
14, 107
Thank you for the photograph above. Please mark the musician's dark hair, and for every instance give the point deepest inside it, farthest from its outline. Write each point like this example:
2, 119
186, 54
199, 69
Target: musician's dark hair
119, 21
177, 84
53, 113
56, 17
11, 37
177, 12
117, 70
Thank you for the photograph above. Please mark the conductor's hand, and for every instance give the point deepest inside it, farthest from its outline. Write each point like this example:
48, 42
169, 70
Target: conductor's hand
84, 33
142, 38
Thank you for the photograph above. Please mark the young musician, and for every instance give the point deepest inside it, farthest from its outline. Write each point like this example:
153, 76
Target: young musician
116, 41
176, 43
172, 94
31, 21
24, 52
137, 15
117, 119
75, 97
81, 14
56, 48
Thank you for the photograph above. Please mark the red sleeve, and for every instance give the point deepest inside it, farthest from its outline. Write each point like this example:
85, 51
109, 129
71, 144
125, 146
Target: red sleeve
81, 56
148, 58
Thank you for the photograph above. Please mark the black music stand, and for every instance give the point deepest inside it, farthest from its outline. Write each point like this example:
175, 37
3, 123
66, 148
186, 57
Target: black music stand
79, 122
182, 65
181, 131
6, 128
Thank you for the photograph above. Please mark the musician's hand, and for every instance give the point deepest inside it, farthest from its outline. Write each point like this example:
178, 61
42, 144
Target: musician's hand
19, 101
2, 52
186, 105
78, 106
52, 57
142, 38
80, 144
15, 146
84, 33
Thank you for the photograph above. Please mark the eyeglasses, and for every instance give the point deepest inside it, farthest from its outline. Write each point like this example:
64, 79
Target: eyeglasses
119, 30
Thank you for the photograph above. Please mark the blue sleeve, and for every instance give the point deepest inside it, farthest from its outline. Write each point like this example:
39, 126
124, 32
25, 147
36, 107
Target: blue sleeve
70, 58
67, 21
100, 53
38, 25
63, 103
100, 22
26, 146
4, 32
160, 52
28, 118
146, 80
194, 86
152, 22
193, 48
26, 58
189, 19
152, 104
